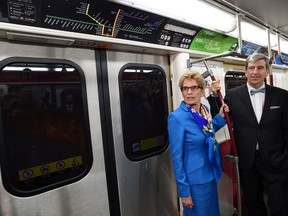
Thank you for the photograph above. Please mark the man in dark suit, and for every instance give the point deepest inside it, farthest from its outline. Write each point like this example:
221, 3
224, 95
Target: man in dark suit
259, 114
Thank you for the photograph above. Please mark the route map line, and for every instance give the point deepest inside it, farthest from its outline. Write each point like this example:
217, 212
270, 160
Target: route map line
102, 25
94, 24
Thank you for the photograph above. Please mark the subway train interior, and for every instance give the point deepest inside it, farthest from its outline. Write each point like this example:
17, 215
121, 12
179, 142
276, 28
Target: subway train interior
86, 87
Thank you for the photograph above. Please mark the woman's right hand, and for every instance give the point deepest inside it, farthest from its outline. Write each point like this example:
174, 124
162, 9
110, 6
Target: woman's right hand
187, 202
215, 86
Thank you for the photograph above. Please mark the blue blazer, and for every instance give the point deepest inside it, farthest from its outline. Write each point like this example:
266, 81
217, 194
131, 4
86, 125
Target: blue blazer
189, 150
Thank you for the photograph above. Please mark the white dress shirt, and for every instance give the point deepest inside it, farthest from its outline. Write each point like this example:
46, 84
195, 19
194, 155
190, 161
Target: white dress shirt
257, 101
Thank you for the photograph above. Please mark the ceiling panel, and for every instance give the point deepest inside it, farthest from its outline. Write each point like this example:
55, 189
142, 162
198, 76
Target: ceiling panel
272, 12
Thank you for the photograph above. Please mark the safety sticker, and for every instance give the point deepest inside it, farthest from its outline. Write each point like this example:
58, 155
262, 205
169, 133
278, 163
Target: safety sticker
52, 167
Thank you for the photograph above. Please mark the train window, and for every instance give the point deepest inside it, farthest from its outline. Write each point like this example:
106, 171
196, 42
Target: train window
234, 79
144, 110
45, 141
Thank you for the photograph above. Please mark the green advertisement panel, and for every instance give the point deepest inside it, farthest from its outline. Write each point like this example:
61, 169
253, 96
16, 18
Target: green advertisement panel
213, 42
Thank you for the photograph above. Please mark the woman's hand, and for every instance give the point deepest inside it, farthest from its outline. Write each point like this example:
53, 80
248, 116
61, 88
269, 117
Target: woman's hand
224, 108
187, 202
215, 86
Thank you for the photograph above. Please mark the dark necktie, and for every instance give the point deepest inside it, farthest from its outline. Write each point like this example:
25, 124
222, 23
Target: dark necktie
254, 91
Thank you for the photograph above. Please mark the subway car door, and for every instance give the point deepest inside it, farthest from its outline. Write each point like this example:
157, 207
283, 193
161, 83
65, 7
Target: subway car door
51, 148
137, 87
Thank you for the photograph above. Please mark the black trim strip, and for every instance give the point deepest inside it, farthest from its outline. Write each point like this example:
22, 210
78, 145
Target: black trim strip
107, 132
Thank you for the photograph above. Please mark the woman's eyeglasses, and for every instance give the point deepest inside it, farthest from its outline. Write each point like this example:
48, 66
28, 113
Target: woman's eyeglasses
192, 88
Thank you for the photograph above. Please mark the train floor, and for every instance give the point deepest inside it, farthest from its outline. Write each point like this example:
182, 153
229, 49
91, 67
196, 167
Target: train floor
244, 210
244, 213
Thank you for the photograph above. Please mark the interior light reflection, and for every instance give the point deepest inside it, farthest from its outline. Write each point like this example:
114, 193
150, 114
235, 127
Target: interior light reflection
11, 68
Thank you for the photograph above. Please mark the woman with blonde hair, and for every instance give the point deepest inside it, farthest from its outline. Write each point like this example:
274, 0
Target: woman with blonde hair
195, 152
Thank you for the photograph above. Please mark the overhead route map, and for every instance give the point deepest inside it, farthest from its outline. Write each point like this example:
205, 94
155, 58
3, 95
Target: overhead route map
118, 21
98, 19
101, 18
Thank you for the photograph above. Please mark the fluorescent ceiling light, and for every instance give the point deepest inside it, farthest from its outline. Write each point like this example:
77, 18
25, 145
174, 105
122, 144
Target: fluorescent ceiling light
254, 33
195, 12
273, 40
283, 46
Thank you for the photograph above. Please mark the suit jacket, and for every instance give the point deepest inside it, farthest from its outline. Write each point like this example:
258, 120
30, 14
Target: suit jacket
189, 149
271, 132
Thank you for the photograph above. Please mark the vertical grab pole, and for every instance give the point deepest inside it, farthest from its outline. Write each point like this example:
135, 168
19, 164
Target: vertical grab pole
270, 57
240, 44
233, 144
